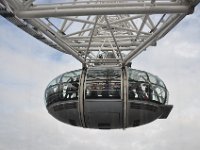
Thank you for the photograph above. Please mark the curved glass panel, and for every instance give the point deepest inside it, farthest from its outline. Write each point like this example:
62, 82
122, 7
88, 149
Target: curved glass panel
143, 87
55, 81
158, 94
137, 75
66, 77
155, 80
103, 83
139, 90
64, 87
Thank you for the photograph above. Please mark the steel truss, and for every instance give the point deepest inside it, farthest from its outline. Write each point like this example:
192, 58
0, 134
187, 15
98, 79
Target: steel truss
98, 32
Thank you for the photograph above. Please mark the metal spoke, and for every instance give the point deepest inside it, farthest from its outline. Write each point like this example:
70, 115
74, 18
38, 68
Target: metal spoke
113, 37
86, 52
122, 30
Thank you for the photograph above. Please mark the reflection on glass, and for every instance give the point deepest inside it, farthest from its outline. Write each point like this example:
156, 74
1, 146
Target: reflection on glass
103, 83
156, 80
140, 91
70, 88
137, 75
64, 87
159, 94
145, 86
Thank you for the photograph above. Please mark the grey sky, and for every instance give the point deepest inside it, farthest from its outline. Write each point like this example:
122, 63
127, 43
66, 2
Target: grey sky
27, 66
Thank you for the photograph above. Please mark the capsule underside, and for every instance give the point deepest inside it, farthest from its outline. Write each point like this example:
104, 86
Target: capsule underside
107, 98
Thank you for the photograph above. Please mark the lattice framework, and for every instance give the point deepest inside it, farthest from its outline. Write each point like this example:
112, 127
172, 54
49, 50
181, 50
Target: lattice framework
98, 32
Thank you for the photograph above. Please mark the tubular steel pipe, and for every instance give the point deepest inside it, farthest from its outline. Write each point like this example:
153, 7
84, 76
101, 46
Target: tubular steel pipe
54, 12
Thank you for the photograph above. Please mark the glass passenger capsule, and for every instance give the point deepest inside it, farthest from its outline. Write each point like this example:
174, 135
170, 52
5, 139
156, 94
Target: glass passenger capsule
107, 98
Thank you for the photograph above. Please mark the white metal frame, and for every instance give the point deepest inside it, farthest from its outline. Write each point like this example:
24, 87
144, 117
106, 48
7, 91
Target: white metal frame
106, 32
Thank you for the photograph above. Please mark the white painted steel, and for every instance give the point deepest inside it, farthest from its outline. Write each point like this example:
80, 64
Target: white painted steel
122, 30
84, 11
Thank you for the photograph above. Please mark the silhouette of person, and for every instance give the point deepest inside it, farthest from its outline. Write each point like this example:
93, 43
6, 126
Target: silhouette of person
149, 91
140, 92
131, 92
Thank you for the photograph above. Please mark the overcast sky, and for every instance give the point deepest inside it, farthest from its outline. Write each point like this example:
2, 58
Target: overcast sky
27, 66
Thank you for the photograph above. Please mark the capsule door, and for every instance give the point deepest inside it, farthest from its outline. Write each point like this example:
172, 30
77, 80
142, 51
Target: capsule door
103, 104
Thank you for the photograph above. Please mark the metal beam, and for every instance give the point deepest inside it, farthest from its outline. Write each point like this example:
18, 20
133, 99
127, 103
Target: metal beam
101, 24
84, 11
129, 48
92, 4
92, 32
113, 26
104, 36
53, 35
115, 41
168, 25
124, 95
82, 96
142, 26
98, 44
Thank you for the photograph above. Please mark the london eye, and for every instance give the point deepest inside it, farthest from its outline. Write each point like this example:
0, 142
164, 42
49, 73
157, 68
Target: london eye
105, 36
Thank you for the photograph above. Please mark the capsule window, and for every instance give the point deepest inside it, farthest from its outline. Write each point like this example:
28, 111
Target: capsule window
63, 88
103, 84
143, 87
136, 75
